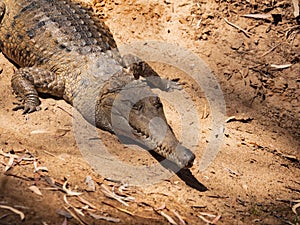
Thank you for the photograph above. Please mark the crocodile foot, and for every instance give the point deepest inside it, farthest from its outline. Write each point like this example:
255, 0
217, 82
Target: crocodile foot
26, 106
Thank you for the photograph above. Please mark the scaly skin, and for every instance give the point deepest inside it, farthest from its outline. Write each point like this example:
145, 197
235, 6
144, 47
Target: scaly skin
64, 50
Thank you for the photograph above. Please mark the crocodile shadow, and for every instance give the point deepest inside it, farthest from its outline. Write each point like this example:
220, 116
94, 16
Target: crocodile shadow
184, 174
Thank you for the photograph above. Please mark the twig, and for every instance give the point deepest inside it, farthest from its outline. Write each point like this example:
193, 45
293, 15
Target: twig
75, 216
70, 114
214, 221
107, 218
182, 222
82, 200
69, 192
49, 153
120, 209
78, 211
237, 27
269, 51
169, 218
22, 216
112, 195
204, 219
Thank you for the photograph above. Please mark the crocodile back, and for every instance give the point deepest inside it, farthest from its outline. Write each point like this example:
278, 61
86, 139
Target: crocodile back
60, 36
48, 26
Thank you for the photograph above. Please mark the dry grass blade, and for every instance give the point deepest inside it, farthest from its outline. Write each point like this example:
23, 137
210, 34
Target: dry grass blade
258, 16
107, 218
13, 157
51, 154
78, 211
3, 216
75, 216
284, 66
16, 211
207, 214
120, 209
214, 221
82, 200
295, 207
39, 168
181, 221
237, 27
169, 218
269, 51
40, 131
204, 219
110, 194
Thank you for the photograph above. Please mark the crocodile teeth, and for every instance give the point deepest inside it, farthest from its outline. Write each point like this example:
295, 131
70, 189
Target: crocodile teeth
159, 147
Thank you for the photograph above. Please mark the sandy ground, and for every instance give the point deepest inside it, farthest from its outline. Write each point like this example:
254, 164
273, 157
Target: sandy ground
255, 176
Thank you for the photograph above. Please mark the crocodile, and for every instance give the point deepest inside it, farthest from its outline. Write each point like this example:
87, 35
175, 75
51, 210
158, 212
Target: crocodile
64, 49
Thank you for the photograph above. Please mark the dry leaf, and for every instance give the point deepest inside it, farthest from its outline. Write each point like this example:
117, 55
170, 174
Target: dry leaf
35, 190
9, 164
296, 8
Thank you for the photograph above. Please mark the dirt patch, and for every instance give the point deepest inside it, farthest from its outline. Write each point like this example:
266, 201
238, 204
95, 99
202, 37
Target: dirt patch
255, 177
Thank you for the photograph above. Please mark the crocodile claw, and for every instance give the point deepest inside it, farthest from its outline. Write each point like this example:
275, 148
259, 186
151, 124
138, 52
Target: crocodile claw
27, 108
173, 85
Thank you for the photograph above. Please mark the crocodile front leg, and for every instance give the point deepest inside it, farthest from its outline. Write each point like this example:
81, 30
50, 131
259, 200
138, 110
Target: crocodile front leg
140, 68
27, 82
2, 9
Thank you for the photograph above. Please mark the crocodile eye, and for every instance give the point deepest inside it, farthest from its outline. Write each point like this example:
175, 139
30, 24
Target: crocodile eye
138, 106
157, 103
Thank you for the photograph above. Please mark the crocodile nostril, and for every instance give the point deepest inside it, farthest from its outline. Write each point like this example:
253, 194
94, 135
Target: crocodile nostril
190, 159
185, 157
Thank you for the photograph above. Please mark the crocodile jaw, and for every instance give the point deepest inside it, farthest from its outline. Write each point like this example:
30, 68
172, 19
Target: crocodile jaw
176, 153
150, 126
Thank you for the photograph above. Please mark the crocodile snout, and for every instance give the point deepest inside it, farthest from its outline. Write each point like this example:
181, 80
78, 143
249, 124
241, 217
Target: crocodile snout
184, 157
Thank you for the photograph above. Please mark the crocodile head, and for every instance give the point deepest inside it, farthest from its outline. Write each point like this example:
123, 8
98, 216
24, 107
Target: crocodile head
137, 113
150, 126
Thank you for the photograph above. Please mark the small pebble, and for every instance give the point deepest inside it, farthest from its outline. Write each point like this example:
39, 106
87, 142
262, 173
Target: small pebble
90, 184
